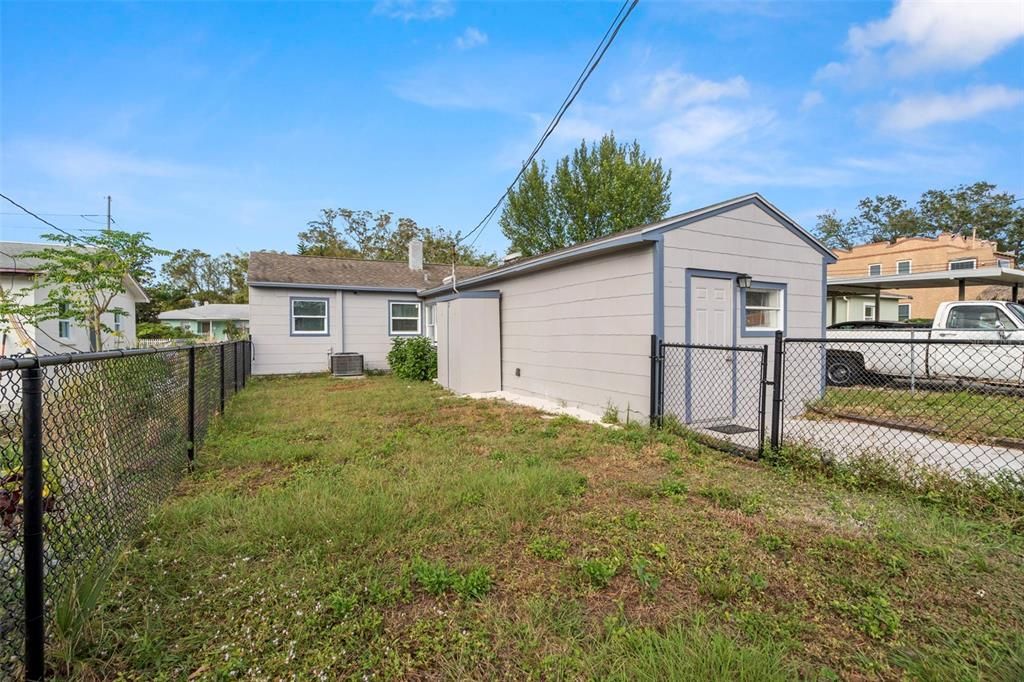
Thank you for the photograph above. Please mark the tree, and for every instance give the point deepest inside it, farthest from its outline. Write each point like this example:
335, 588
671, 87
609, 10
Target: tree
83, 275
966, 209
887, 218
833, 232
377, 236
207, 279
598, 190
976, 209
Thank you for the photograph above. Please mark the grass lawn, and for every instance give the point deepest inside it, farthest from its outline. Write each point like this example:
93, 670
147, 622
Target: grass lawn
374, 528
958, 415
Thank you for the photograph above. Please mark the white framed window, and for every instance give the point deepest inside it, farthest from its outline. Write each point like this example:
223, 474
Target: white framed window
903, 312
963, 264
431, 321
404, 318
63, 324
903, 267
869, 311
874, 270
309, 317
763, 309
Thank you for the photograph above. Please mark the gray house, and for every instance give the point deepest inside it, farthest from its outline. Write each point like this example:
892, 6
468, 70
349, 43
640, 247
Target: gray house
573, 325
304, 308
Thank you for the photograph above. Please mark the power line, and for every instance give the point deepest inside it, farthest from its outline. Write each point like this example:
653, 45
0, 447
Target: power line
606, 41
42, 220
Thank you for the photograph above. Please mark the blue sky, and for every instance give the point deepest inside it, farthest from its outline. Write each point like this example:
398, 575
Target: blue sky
226, 127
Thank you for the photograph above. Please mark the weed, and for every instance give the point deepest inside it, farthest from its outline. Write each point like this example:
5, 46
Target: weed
659, 550
671, 487
600, 571
436, 578
772, 543
874, 614
647, 579
548, 547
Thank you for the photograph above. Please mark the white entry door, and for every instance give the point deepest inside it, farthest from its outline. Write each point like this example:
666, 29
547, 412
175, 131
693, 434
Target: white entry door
711, 372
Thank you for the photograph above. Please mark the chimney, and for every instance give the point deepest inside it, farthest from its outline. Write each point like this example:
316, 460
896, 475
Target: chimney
416, 255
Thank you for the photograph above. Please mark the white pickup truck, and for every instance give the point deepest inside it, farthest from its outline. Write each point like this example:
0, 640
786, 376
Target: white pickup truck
974, 341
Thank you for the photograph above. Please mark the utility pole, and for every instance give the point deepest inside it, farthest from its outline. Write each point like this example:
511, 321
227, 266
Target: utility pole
108, 213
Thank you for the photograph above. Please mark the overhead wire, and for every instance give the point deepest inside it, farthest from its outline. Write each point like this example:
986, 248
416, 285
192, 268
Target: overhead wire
595, 59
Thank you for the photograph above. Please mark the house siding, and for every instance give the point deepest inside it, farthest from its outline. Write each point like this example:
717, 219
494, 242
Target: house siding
580, 333
358, 323
46, 334
275, 350
366, 324
748, 240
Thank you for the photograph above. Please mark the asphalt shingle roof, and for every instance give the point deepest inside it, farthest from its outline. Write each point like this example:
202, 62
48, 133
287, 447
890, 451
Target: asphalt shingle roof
277, 268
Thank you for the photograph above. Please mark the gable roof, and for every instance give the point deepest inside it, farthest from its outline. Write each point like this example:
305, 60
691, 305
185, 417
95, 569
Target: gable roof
212, 311
637, 235
11, 261
276, 269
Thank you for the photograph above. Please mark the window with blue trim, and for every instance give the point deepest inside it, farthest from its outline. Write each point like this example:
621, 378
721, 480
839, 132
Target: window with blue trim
404, 318
763, 309
309, 316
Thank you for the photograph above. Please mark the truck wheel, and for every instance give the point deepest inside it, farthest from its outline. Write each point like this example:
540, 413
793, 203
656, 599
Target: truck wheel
843, 370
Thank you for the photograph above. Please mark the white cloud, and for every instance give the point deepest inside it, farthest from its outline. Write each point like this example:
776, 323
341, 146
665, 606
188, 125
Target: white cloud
414, 10
920, 111
811, 99
923, 36
76, 162
470, 38
671, 88
702, 129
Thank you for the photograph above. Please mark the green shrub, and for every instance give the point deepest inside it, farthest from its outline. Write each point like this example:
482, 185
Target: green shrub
413, 358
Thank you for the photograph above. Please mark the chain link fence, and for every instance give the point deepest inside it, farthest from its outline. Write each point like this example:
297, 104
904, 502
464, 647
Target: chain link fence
717, 392
90, 444
914, 409
909, 407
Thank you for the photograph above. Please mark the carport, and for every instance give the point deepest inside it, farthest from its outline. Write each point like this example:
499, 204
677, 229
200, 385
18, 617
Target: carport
990, 276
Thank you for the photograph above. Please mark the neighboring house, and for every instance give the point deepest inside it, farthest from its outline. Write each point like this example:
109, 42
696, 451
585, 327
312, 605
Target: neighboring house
303, 308
574, 325
909, 255
895, 307
211, 321
17, 276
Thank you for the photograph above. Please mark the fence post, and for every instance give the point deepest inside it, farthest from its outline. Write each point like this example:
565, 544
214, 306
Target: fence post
222, 378
761, 411
777, 392
32, 499
191, 405
655, 398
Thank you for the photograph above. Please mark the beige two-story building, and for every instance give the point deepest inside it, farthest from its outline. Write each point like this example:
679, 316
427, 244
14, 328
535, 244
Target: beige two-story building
913, 255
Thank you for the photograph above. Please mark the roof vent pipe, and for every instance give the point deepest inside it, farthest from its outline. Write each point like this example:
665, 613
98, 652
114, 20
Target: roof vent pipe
416, 255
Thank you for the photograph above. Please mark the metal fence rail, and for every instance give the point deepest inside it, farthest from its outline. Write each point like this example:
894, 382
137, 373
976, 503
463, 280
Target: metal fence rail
89, 444
910, 407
